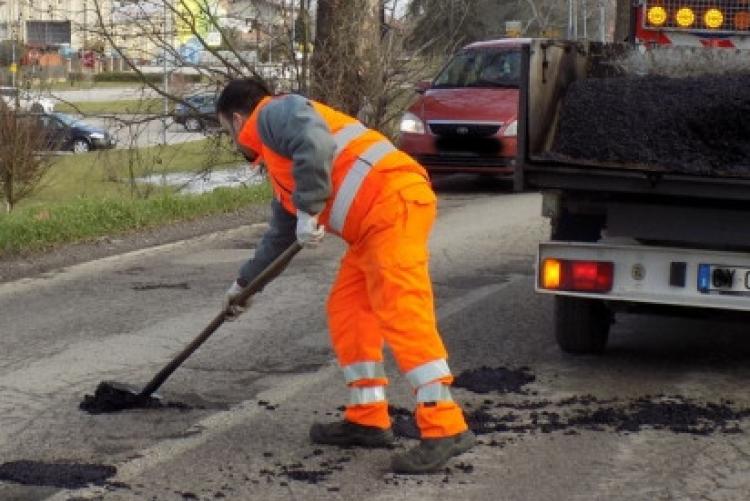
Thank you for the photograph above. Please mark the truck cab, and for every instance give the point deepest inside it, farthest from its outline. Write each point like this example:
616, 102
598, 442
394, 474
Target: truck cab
465, 119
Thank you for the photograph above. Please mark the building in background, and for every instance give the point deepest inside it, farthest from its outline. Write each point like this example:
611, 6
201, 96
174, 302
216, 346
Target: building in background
52, 25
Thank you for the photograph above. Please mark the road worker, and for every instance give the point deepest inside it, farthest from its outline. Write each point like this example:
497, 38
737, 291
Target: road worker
330, 173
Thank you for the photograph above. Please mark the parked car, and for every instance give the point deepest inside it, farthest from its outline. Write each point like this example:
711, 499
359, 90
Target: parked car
465, 119
200, 115
65, 132
26, 100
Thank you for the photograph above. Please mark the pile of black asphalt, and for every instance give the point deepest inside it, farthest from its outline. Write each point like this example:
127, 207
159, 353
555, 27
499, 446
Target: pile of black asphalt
115, 397
695, 125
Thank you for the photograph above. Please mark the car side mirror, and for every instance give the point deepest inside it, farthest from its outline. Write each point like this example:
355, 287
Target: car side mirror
422, 86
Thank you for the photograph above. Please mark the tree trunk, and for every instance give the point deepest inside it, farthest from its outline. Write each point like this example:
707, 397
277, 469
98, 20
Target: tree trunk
622, 20
346, 51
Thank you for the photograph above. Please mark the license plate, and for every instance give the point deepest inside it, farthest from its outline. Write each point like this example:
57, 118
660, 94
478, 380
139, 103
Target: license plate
721, 278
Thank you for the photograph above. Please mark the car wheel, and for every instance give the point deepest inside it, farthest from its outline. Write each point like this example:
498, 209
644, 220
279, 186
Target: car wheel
581, 324
81, 146
193, 125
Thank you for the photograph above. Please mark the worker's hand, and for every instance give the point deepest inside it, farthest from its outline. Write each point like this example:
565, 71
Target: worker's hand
309, 232
232, 309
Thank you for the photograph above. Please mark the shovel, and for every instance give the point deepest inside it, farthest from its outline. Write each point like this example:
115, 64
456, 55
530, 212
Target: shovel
112, 396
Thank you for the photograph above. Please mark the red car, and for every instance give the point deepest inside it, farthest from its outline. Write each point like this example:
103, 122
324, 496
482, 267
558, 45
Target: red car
465, 119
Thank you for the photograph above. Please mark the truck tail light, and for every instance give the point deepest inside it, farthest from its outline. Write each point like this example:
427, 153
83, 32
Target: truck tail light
580, 276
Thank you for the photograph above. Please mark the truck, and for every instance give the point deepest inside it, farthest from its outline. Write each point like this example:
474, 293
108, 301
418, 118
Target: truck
654, 216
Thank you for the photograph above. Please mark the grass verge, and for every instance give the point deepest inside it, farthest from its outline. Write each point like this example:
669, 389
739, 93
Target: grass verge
95, 194
82, 85
139, 106
111, 173
84, 219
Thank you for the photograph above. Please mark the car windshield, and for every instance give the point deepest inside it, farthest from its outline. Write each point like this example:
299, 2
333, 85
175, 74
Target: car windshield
481, 68
67, 119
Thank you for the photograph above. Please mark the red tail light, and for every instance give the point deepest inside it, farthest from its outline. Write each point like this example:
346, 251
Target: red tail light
581, 276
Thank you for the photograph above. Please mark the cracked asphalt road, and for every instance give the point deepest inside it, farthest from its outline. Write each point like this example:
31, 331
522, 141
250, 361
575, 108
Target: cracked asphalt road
256, 386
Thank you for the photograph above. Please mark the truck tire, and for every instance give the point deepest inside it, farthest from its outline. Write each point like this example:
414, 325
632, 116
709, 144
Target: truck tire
581, 325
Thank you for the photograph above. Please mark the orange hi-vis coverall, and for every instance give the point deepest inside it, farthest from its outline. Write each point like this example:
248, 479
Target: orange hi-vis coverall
378, 199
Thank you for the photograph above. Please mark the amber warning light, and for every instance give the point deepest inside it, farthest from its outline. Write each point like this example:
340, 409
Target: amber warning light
698, 15
578, 276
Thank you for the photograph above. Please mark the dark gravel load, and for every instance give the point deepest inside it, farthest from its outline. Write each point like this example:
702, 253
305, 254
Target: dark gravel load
63, 475
696, 125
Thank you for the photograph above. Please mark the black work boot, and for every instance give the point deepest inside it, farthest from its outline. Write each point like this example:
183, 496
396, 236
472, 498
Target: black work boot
432, 453
347, 433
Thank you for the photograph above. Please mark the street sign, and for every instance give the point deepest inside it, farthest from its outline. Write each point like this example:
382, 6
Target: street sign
14, 68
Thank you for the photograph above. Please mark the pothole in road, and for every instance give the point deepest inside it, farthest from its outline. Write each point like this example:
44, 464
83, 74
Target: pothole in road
62, 475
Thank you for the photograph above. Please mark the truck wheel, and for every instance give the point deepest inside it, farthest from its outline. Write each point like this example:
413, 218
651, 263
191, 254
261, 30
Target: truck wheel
581, 325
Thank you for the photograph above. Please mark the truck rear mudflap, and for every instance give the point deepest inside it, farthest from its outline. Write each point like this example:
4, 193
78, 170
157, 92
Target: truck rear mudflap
645, 274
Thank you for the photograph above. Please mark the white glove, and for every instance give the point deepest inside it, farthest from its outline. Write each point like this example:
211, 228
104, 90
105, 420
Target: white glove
309, 232
234, 310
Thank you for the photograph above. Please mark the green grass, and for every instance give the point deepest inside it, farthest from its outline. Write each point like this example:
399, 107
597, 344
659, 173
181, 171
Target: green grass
92, 195
85, 218
109, 173
83, 85
149, 105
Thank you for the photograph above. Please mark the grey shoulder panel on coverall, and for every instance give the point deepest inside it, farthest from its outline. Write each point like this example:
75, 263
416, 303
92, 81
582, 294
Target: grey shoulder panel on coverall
291, 127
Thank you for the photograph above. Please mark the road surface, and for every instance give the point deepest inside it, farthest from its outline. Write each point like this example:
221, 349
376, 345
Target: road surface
257, 385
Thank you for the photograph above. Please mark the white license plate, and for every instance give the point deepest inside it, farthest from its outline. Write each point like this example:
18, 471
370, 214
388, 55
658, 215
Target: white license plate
720, 278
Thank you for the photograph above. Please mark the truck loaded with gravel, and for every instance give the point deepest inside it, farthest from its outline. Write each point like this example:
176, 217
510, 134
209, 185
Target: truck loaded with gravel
642, 153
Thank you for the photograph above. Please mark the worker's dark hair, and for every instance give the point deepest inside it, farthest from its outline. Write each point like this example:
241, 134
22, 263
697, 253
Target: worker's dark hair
241, 96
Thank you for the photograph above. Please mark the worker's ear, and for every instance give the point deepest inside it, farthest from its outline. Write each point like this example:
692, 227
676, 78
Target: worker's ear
238, 121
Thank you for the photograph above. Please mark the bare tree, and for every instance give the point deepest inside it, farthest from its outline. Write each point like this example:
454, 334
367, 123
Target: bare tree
543, 14
22, 167
347, 43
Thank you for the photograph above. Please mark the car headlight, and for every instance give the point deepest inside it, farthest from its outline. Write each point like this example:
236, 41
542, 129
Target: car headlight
411, 123
511, 130
96, 135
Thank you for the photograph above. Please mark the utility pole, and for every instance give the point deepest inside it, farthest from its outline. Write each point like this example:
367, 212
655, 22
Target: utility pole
585, 20
14, 40
570, 19
166, 44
